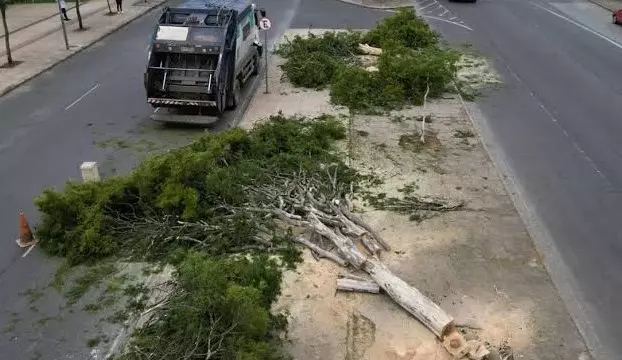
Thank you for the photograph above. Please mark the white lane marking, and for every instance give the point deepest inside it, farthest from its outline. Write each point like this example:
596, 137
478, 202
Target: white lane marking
558, 125
82, 97
612, 42
452, 18
447, 21
423, 2
427, 6
29, 250
444, 12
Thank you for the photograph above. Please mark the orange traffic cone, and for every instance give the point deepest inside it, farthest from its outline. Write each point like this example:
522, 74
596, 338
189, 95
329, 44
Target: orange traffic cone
26, 238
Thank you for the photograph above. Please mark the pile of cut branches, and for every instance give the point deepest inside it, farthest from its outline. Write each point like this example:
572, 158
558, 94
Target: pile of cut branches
226, 194
409, 61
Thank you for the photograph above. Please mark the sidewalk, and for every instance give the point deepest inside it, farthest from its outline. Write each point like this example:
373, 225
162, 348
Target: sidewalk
20, 16
611, 5
36, 22
38, 47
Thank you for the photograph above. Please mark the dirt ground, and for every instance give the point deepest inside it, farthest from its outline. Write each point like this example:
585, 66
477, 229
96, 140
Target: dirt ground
478, 264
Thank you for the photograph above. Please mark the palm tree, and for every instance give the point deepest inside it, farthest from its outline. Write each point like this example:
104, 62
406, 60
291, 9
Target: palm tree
3, 6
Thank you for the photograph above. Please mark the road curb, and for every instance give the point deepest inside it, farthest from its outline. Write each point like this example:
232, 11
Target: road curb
596, 2
375, 7
98, 39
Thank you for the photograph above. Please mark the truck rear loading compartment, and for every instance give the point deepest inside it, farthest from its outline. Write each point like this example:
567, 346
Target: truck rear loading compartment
202, 54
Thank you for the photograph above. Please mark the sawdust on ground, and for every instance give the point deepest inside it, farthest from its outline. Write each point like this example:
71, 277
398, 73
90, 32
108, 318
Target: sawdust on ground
478, 264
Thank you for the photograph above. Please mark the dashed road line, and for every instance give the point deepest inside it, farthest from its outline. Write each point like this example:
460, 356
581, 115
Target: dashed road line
29, 250
82, 97
427, 6
607, 39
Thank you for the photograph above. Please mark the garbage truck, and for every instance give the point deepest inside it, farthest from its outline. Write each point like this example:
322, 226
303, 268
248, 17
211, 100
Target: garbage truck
202, 54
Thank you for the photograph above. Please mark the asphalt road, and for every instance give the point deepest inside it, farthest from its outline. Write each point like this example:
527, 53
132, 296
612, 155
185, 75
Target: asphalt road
92, 108
555, 126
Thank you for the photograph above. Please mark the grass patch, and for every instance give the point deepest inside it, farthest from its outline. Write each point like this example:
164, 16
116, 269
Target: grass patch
90, 276
463, 134
94, 341
411, 205
33, 295
411, 142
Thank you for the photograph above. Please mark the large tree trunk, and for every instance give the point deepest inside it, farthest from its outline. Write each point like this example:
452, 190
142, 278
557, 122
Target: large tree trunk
408, 297
80, 26
6, 35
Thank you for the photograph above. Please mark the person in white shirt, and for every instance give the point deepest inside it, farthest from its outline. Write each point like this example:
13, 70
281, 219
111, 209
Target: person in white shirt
63, 8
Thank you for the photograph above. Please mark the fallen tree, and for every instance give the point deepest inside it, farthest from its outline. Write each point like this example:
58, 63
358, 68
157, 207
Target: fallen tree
230, 194
298, 205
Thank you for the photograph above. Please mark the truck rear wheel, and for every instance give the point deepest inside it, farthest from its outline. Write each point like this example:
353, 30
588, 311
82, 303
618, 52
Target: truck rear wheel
221, 102
233, 98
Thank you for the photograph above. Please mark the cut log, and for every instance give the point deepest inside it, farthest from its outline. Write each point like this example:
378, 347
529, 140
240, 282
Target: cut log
357, 285
370, 50
358, 221
422, 308
353, 277
370, 244
345, 246
455, 344
351, 228
321, 252
477, 350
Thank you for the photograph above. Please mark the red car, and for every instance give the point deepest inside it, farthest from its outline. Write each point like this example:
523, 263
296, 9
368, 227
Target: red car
617, 17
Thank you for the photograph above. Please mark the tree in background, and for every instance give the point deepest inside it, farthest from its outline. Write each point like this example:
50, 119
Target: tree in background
80, 26
3, 6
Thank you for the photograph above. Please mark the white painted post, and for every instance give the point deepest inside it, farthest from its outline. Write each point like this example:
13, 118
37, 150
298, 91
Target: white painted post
90, 172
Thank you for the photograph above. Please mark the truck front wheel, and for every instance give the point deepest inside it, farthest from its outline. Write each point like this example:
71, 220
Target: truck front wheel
257, 63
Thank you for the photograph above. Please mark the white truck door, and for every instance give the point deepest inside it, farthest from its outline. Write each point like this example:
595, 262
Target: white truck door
246, 36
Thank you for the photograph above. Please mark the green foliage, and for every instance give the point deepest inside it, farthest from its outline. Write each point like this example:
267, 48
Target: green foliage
220, 306
193, 208
363, 90
312, 61
411, 62
413, 71
5, 3
404, 28
140, 214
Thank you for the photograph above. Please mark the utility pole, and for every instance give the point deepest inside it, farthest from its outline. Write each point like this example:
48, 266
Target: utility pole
265, 50
265, 25
62, 23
